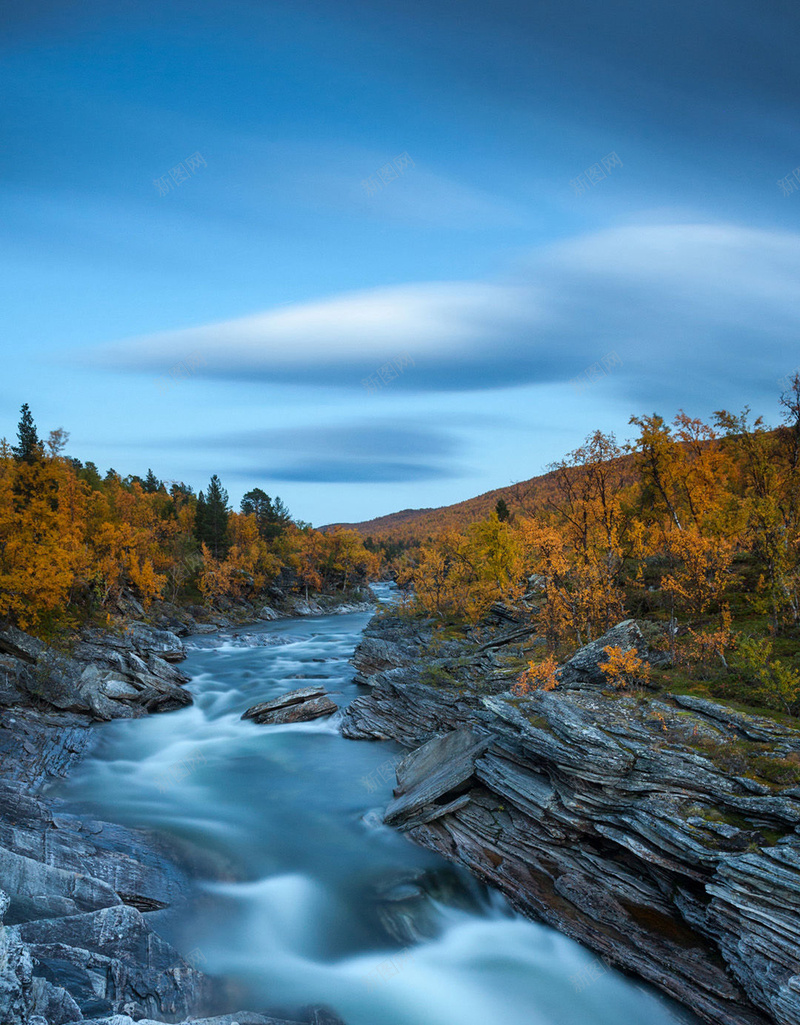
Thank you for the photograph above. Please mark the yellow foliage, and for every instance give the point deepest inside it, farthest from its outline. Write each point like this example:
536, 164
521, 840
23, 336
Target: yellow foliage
624, 667
538, 676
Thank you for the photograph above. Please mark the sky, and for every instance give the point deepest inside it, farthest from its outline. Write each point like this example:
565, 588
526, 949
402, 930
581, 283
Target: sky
388, 255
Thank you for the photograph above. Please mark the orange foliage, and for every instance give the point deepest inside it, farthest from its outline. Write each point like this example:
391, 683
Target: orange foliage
538, 676
624, 667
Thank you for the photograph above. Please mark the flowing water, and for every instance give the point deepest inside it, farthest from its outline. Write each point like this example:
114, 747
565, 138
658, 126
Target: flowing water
302, 895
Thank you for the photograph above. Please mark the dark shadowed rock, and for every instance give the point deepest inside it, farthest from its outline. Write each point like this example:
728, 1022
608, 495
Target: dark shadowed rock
583, 669
111, 958
237, 1018
305, 704
108, 675
375, 654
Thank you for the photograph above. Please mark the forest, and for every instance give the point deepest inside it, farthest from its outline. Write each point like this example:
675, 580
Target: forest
72, 542
691, 527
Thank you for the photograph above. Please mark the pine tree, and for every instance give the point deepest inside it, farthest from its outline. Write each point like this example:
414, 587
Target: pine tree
272, 517
502, 510
152, 485
258, 503
29, 449
211, 518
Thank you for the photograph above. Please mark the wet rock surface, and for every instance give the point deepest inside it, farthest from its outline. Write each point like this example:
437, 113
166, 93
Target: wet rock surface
80, 899
661, 831
300, 705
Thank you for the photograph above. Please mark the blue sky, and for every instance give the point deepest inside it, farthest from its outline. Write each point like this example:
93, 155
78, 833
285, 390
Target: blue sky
226, 322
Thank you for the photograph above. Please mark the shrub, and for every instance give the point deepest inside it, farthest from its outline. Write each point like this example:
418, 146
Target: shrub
538, 676
777, 684
624, 667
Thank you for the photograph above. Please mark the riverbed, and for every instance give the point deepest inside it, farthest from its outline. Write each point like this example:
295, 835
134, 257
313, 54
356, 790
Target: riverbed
302, 896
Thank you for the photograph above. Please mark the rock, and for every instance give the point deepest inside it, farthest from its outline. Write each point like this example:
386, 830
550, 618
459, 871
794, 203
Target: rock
613, 820
292, 697
21, 645
23, 996
583, 669
318, 1017
302, 711
107, 677
433, 779
295, 706
375, 654
110, 958
163, 643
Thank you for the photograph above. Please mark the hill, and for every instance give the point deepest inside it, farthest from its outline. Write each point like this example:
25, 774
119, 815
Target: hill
415, 525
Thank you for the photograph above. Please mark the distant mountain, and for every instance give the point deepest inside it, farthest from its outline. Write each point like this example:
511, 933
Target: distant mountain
419, 524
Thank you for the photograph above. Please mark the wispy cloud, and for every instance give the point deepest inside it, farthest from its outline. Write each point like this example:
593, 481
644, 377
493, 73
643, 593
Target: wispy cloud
670, 299
387, 451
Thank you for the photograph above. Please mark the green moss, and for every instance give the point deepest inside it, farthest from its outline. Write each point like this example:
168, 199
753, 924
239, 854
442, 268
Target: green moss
780, 771
438, 676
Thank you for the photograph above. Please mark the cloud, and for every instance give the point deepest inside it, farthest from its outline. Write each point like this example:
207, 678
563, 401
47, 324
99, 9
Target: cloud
342, 471
381, 452
363, 438
679, 303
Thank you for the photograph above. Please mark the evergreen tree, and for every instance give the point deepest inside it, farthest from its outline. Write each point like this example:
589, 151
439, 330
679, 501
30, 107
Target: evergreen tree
211, 518
258, 503
282, 515
180, 490
200, 518
92, 476
29, 449
502, 510
272, 517
152, 484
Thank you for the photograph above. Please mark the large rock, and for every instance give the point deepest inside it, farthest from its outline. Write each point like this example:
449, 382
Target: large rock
583, 669
375, 654
237, 1018
108, 676
300, 705
433, 780
25, 996
112, 961
639, 827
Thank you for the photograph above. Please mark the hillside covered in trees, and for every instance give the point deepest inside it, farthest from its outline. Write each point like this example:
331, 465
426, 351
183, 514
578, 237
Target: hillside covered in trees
72, 542
692, 526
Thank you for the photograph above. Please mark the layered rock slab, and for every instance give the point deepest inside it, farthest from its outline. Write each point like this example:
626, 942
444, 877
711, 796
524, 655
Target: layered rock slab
604, 817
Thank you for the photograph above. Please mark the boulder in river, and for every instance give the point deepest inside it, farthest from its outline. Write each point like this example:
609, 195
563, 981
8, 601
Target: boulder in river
300, 705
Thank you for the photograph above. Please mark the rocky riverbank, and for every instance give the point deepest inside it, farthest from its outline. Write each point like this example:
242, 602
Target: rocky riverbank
80, 900
661, 831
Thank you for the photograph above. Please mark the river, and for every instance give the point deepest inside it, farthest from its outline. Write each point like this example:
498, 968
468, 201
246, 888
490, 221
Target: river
302, 895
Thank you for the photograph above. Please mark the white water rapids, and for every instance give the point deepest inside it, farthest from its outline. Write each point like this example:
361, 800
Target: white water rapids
302, 895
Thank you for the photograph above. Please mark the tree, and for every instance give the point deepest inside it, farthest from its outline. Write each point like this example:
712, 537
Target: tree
29, 449
152, 484
57, 442
272, 517
624, 667
211, 520
502, 510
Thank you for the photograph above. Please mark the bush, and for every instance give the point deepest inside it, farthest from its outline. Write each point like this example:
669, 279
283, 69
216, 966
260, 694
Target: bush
538, 676
776, 684
624, 667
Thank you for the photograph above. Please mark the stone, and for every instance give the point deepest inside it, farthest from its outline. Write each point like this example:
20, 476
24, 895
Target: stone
299, 705
303, 711
603, 816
